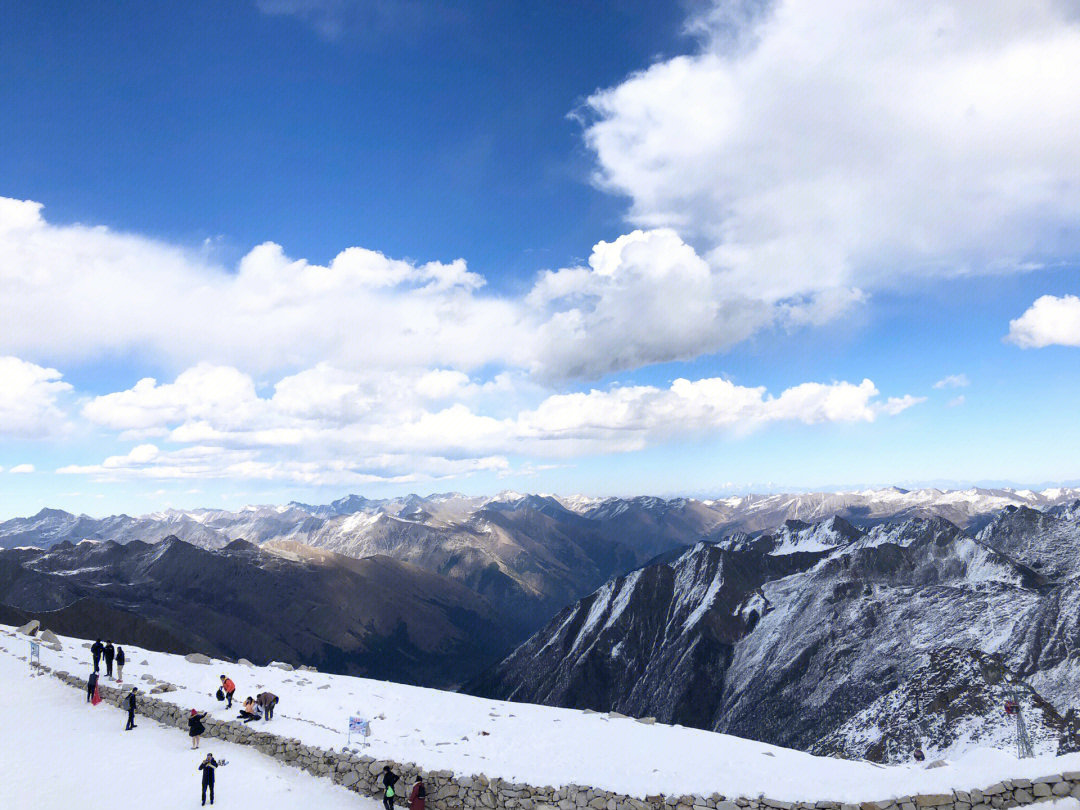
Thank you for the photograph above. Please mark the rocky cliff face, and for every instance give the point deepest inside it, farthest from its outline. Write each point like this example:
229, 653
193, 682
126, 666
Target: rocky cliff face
754, 637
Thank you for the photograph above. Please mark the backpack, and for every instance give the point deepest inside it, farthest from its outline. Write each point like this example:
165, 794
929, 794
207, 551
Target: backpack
220, 694
390, 793
96, 698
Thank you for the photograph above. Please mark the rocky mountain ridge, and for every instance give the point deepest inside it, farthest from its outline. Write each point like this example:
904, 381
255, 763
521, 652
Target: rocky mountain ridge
808, 636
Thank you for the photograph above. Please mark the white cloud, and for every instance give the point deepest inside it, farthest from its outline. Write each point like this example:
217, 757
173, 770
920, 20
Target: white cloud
22, 468
956, 402
29, 400
809, 149
953, 381
1050, 321
646, 297
324, 425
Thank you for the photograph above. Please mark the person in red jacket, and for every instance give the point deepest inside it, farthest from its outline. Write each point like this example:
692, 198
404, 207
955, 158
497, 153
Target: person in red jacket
418, 795
228, 687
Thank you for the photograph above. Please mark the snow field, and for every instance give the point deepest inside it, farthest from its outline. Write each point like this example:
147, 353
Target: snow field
60, 752
442, 730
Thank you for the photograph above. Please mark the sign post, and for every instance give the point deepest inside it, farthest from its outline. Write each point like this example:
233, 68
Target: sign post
35, 653
361, 726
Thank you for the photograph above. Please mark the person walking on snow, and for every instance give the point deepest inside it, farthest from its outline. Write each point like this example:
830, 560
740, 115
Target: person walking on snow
207, 767
95, 651
91, 685
119, 664
130, 702
109, 654
267, 701
389, 779
228, 687
195, 727
418, 795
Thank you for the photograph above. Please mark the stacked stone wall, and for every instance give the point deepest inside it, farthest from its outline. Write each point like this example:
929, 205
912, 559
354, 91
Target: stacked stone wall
449, 791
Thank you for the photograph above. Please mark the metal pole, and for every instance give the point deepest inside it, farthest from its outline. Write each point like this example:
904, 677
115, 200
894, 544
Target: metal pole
1023, 741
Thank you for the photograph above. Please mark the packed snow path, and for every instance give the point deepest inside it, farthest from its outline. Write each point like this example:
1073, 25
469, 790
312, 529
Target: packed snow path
60, 752
524, 743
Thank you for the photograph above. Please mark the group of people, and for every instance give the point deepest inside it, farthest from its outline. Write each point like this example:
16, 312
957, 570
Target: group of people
261, 706
110, 654
417, 796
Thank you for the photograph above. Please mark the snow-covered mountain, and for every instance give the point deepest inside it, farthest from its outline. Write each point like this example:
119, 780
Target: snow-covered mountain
758, 637
530, 555
55, 735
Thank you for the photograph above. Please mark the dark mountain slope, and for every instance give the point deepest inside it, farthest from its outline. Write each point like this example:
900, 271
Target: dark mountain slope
376, 617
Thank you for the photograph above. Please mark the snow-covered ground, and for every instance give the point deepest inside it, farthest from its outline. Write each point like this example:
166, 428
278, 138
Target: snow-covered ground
59, 752
436, 730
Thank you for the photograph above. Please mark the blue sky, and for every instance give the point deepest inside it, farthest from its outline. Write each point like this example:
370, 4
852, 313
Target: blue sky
288, 249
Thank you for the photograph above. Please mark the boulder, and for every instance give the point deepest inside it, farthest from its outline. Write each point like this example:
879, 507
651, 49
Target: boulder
245, 663
197, 658
30, 627
162, 687
49, 637
282, 665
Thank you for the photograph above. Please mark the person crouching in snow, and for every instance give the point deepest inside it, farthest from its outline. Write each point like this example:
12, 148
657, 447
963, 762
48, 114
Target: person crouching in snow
250, 711
195, 727
228, 687
267, 701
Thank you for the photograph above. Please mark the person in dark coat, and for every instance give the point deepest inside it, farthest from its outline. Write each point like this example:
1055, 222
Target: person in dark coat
195, 727
389, 779
119, 664
91, 685
110, 653
267, 701
95, 651
129, 701
418, 795
207, 766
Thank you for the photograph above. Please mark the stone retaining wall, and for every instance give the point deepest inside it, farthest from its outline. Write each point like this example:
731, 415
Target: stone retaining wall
448, 791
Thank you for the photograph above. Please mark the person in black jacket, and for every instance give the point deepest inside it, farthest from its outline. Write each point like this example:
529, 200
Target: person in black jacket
119, 664
207, 767
195, 727
109, 654
95, 651
91, 685
130, 703
389, 779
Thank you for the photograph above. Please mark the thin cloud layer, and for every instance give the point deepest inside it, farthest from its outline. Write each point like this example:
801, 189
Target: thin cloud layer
806, 150
325, 425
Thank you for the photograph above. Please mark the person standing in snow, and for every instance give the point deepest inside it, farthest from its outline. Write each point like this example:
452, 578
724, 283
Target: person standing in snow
91, 685
418, 795
119, 664
95, 651
109, 655
267, 701
228, 687
207, 767
130, 702
195, 727
389, 779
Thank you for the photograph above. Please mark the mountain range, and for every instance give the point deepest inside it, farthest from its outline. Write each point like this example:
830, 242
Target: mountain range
805, 620
815, 636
